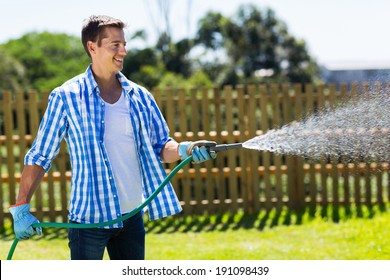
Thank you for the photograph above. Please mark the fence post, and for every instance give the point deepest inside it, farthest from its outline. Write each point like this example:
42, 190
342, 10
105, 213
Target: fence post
254, 179
309, 94
195, 127
334, 159
295, 164
378, 166
243, 114
34, 124
220, 182
21, 121
232, 154
182, 120
277, 123
290, 160
167, 99
9, 132
264, 124
323, 163
2, 216
345, 171
206, 117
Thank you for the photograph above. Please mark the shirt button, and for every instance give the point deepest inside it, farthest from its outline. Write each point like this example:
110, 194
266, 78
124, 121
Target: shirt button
114, 195
102, 121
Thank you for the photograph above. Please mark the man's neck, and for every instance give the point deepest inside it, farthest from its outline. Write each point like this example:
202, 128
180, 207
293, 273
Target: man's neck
109, 86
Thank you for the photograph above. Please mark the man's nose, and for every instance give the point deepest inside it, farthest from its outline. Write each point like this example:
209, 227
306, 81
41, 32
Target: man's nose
123, 50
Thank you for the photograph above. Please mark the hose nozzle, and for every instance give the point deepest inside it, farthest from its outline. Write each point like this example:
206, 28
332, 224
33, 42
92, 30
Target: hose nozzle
225, 147
212, 146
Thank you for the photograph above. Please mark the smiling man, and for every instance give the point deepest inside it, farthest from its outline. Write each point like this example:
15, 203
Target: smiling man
117, 139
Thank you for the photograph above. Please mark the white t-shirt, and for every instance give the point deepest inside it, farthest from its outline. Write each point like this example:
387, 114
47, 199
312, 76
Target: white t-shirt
120, 146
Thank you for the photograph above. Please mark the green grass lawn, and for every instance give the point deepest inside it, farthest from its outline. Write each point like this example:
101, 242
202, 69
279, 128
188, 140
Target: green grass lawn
342, 234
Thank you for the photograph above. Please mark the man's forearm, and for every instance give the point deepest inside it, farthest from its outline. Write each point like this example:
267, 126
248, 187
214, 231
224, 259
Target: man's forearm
31, 177
169, 152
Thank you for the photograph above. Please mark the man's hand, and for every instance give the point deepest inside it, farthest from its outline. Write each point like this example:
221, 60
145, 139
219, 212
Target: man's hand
199, 154
23, 220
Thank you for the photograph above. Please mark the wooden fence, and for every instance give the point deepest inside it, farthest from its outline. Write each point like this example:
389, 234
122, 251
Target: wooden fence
237, 179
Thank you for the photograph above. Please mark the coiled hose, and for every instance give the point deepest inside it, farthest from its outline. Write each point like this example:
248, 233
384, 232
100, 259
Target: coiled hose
128, 215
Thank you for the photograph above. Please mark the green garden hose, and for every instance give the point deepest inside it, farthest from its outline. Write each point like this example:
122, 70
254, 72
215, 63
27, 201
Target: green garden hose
128, 215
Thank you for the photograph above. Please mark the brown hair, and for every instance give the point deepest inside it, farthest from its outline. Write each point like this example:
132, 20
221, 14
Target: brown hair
94, 26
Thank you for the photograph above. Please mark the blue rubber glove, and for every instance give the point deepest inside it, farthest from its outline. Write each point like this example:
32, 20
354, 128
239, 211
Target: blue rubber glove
23, 220
199, 154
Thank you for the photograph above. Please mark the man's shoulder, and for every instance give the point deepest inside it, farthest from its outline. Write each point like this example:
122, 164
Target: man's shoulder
74, 85
75, 80
132, 86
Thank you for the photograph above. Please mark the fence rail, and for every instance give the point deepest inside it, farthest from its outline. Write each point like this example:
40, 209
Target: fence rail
237, 179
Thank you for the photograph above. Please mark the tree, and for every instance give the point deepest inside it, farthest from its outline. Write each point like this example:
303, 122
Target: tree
49, 59
299, 67
174, 56
150, 65
12, 73
257, 46
136, 58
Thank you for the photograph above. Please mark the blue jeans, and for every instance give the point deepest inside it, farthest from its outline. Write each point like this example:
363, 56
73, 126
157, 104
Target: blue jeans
127, 243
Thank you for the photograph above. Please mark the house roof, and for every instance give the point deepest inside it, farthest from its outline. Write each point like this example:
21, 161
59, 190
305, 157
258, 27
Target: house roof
356, 65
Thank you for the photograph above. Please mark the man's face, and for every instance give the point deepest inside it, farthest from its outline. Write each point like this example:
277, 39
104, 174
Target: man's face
112, 50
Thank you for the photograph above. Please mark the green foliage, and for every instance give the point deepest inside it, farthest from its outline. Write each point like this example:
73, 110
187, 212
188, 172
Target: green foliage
147, 75
146, 68
12, 72
210, 32
138, 58
197, 80
174, 55
170, 79
49, 59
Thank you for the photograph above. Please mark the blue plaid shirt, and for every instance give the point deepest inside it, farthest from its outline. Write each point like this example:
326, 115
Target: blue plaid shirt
75, 113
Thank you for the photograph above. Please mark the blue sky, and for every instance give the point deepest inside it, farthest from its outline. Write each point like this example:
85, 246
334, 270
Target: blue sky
336, 31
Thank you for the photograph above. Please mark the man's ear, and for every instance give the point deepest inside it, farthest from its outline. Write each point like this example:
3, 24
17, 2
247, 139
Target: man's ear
91, 47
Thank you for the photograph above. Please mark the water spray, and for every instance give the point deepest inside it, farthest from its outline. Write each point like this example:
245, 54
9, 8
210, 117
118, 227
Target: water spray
359, 129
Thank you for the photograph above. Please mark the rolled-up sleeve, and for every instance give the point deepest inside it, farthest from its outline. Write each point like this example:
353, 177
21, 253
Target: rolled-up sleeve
51, 132
159, 127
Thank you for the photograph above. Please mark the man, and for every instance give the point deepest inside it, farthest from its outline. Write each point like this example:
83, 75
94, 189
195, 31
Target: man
117, 138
